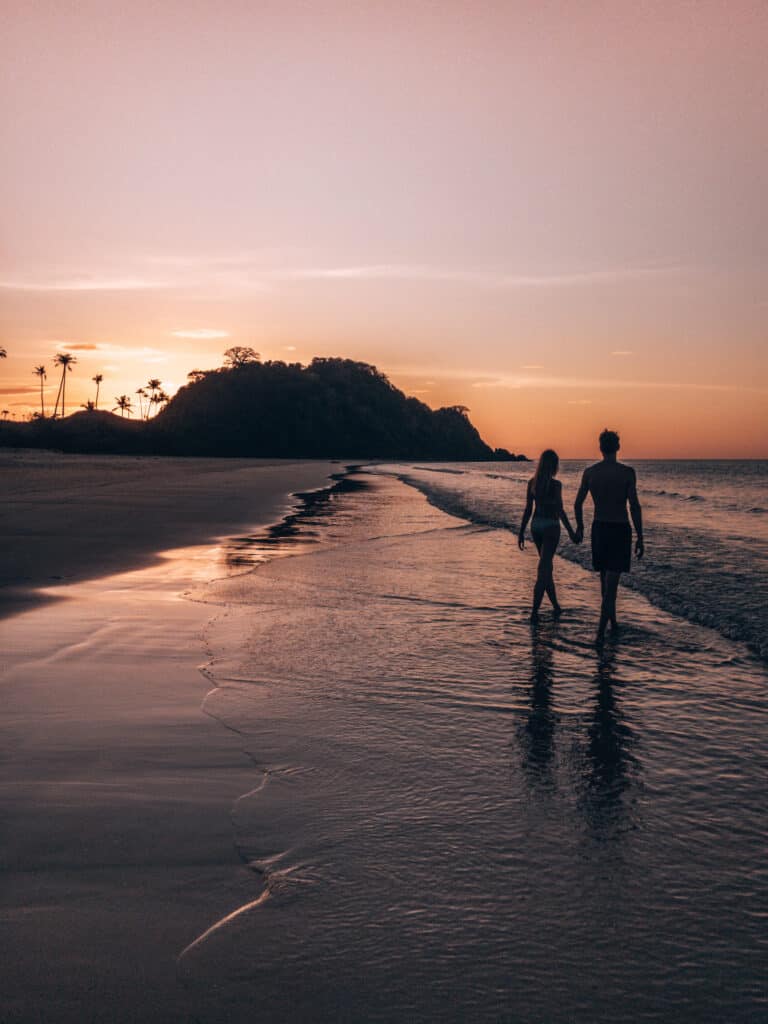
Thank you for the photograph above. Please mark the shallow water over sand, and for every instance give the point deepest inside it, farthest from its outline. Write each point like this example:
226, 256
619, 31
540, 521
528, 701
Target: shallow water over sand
706, 527
463, 818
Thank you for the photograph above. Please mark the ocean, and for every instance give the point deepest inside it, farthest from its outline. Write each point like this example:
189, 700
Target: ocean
459, 816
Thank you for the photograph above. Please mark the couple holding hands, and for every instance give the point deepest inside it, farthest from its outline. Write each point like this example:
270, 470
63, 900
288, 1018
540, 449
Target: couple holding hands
613, 487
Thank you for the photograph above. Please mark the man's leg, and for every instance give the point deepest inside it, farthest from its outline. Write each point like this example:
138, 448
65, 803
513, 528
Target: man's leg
610, 587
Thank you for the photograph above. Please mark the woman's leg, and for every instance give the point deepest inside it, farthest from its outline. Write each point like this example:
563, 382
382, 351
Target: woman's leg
544, 581
538, 589
551, 547
552, 593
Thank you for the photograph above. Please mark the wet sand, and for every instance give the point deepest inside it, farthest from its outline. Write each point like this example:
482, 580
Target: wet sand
65, 518
116, 790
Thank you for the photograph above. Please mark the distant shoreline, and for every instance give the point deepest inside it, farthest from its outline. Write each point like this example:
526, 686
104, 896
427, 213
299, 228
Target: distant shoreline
274, 409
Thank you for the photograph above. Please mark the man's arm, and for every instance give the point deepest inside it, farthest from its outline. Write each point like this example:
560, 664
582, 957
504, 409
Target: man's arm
578, 505
562, 515
637, 514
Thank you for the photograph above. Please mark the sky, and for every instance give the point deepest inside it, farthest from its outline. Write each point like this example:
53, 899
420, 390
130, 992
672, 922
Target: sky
553, 213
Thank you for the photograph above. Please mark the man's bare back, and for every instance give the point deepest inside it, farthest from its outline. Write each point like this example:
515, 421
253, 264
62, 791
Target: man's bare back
612, 486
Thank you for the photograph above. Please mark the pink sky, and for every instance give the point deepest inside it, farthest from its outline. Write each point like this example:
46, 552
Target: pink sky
553, 213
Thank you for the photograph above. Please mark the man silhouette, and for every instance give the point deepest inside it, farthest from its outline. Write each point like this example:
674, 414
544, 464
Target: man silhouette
612, 486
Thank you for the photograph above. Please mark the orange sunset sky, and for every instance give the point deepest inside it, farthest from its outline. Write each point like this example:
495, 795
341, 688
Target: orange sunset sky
552, 212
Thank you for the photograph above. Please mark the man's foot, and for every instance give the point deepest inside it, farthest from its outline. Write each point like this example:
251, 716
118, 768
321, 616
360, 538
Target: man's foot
535, 615
557, 610
614, 625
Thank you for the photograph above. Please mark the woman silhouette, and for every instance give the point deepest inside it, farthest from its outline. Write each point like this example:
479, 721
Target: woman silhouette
545, 499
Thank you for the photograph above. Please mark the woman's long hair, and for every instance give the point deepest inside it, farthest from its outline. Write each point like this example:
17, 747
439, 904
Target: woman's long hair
545, 471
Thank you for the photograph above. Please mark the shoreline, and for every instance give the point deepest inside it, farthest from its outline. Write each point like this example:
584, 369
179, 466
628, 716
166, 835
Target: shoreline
69, 518
117, 788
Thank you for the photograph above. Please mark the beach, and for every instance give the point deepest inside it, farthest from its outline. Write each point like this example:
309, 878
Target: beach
116, 789
389, 797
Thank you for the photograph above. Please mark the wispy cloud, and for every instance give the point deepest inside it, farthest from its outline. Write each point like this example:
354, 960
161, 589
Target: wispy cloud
82, 283
201, 333
483, 379
488, 278
516, 382
622, 352
257, 271
143, 352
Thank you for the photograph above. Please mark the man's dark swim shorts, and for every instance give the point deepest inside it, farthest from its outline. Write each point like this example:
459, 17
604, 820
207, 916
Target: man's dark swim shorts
611, 547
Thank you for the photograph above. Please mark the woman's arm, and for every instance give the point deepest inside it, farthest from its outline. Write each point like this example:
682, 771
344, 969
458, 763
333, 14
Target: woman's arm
526, 516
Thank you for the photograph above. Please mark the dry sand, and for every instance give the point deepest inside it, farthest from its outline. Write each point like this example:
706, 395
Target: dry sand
115, 788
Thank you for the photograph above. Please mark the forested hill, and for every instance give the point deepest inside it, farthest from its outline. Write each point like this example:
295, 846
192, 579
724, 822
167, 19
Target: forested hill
330, 408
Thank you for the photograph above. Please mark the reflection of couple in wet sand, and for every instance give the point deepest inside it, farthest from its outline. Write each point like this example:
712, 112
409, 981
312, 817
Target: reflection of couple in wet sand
607, 763
613, 487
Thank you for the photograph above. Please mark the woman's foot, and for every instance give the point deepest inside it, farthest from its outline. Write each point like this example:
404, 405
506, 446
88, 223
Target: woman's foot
557, 610
535, 615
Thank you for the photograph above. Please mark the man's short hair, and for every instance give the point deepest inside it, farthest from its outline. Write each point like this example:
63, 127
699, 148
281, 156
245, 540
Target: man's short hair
609, 442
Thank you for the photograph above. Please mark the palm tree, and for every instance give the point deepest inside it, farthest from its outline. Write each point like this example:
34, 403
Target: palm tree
154, 386
65, 360
89, 406
97, 380
4, 414
3, 353
42, 373
142, 394
124, 404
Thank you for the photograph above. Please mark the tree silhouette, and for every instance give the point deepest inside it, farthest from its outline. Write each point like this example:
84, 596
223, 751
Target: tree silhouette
240, 355
5, 414
124, 404
89, 406
3, 353
290, 410
331, 408
142, 394
97, 381
42, 373
65, 360
154, 386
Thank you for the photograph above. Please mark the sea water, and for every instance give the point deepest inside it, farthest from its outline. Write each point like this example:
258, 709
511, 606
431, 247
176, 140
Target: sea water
460, 817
